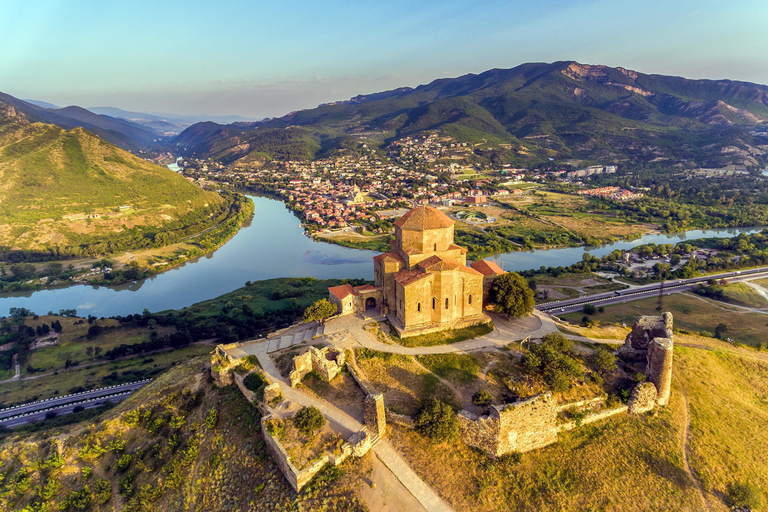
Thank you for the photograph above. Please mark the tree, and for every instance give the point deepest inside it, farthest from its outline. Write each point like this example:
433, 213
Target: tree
437, 421
93, 331
589, 309
482, 398
603, 360
720, 330
309, 420
746, 496
23, 270
511, 294
319, 311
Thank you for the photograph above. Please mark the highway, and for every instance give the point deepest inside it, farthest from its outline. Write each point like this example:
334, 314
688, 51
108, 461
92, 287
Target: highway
34, 411
641, 292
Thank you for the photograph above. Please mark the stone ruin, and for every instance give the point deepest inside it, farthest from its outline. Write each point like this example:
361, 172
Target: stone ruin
530, 424
517, 427
327, 362
644, 330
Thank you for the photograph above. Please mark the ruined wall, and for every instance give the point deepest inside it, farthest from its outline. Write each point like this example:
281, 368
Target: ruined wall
327, 362
481, 432
645, 329
528, 424
375, 415
399, 419
643, 398
517, 427
659, 368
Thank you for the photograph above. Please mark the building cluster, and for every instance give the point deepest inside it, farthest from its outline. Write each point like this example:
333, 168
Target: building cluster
430, 149
612, 193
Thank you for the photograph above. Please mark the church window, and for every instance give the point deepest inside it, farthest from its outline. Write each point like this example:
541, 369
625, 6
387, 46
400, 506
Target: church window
434, 302
446, 303
469, 299
435, 247
418, 307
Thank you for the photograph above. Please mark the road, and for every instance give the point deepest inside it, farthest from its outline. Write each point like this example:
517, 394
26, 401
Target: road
34, 411
642, 292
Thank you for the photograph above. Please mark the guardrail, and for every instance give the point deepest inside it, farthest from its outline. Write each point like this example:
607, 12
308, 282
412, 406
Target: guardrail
72, 395
38, 411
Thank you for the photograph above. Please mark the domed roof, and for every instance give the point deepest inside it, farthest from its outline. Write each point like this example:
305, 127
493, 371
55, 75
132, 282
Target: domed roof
422, 218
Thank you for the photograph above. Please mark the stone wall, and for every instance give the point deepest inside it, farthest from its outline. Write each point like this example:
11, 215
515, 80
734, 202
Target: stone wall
644, 330
399, 419
517, 427
327, 362
374, 414
659, 368
591, 418
643, 398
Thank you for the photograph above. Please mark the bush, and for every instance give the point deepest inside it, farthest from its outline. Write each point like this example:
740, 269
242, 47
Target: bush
589, 309
745, 495
604, 361
551, 359
437, 421
309, 420
211, 419
482, 398
255, 382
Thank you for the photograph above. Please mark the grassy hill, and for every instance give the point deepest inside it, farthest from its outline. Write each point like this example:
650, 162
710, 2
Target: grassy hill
69, 188
178, 444
562, 110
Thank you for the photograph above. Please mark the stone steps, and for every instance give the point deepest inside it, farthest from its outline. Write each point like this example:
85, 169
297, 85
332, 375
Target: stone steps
295, 337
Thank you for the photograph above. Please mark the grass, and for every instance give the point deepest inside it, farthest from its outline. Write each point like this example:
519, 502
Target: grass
625, 463
691, 313
743, 295
447, 337
457, 368
96, 376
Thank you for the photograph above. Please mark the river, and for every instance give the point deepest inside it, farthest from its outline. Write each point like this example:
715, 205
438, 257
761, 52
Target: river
273, 245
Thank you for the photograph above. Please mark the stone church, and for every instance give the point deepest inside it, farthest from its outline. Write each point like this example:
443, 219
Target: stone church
423, 284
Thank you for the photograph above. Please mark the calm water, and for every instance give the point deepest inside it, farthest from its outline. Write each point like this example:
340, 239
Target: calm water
272, 246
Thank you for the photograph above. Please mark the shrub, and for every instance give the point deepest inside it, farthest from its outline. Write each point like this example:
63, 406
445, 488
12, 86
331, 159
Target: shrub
557, 341
639, 377
103, 491
124, 461
309, 420
275, 428
604, 361
437, 421
589, 309
256, 383
745, 495
482, 398
211, 419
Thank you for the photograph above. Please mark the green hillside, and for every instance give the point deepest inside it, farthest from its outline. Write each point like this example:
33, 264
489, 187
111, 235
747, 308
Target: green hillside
68, 188
526, 114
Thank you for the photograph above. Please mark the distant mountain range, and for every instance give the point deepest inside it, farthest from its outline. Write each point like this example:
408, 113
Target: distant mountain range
524, 115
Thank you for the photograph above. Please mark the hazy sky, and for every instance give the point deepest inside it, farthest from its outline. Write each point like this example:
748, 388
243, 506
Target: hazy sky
265, 58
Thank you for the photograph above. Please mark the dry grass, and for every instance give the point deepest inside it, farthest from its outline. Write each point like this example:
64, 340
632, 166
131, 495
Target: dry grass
626, 463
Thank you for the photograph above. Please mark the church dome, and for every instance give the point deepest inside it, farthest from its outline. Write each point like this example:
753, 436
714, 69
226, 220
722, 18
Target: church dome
422, 218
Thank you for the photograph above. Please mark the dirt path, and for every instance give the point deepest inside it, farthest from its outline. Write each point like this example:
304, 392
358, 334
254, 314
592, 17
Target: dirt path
685, 445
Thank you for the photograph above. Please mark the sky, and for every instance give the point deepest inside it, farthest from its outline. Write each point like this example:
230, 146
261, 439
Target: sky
259, 58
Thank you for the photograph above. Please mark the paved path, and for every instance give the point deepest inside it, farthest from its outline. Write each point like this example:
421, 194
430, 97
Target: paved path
415, 485
350, 333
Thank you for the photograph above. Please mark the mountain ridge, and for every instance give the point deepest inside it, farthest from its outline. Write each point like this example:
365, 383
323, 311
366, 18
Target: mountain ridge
559, 110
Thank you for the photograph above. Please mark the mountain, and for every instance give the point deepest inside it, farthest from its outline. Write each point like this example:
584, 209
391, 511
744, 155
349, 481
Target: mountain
124, 134
68, 188
164, 124
43, 104
526, 115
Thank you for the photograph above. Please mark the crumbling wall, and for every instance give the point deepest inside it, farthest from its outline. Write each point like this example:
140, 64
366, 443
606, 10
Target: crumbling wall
517, 427
643, 398
659, 368
644, 330
375, 415
480, 431
327, 362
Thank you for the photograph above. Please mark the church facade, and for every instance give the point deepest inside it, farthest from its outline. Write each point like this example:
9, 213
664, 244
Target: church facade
423, 284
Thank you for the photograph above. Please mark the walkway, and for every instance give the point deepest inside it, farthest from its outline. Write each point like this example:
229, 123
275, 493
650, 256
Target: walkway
415, 485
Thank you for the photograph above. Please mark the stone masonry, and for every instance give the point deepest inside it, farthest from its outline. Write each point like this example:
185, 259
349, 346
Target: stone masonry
643, 398
644, 330
518, 427
659, 368
375, 415
327, 362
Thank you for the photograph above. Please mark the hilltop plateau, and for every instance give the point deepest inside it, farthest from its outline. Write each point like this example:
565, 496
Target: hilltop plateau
68, 192
523, 116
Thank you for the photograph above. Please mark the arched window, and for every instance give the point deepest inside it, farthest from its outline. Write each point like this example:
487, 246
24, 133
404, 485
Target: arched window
469, 300
435, 247
434, 302
418, 307
446, 303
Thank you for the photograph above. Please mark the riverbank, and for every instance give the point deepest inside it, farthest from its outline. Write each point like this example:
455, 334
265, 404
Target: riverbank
118, 268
